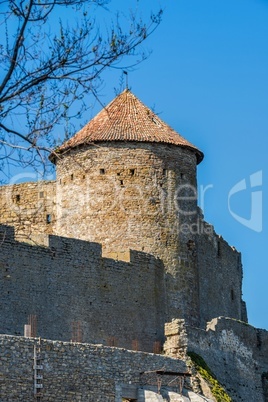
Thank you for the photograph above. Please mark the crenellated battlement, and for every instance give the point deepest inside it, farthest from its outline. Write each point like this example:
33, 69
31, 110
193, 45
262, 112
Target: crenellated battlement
116, 246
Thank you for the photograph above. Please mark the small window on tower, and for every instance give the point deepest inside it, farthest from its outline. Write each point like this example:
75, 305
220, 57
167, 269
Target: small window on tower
102, 171
17, 198
41, 194
132, 172
72, 176
232, 295
48, 218
164, 172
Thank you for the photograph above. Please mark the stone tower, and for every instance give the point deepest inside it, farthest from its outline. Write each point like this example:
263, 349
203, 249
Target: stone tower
128, 181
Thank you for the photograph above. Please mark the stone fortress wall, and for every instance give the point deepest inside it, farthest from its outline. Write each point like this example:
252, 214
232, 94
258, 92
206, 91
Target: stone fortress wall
237, 353
69, 281
123, 196
220, 278
118, 296
74, 372
118, 244
234, 351
126, 195
30, 208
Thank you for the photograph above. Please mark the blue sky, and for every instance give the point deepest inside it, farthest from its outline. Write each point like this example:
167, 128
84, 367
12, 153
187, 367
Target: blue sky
207, 77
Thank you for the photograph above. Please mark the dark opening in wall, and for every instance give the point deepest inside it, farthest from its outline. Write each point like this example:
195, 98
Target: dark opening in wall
232, 294
121, 183
17, 198
164, 172
102, 171
264, 378
182, 176
72, 176
132, 172
48, 218
259, 339
41, 194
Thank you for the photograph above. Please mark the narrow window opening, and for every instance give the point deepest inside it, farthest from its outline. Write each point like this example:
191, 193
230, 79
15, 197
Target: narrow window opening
132, 172
72, 176
41, 194
102, 171
48, 218
84, 177
121, 183
118, 173
164, 172
232, 294
265, 385
17, 198
182, 175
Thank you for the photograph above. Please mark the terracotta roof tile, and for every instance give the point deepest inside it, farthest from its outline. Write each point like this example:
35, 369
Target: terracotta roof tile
126, 118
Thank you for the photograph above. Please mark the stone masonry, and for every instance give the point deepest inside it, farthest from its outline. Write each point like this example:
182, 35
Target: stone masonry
78, 372
117, 245
69, 281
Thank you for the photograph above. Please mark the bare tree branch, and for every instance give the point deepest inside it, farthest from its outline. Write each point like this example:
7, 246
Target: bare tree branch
50, 68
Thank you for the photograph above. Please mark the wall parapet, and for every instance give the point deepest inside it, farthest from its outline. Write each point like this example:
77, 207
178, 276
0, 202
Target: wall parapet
236, 352
46, 281
74, 371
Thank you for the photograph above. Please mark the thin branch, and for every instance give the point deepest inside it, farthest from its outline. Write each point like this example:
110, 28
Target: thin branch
18, 44
9, 130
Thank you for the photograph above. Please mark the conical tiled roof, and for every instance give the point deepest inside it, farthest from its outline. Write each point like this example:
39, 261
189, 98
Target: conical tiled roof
126, 118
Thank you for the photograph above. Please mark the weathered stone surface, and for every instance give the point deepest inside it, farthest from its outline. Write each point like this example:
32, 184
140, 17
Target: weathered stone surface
237, 354
30, 208
130, 195
116, 302
123, 196
74, 372
120, 196
176, 339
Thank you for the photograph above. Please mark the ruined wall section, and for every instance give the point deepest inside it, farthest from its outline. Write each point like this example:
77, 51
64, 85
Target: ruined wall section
135, 196
69, 281
30, 208
237, 354
76, 372
220, 277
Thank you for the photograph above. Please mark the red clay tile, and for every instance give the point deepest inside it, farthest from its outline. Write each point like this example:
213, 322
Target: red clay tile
126, 118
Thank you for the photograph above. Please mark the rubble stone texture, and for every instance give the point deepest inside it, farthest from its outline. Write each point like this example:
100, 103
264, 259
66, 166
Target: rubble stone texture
117, 246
